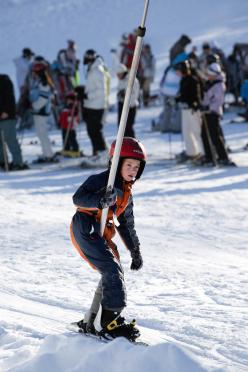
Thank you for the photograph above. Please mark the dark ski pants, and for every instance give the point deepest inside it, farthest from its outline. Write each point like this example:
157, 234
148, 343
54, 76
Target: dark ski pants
94, 249
71, 141
211, 128
8, 129
93, 120
129, 131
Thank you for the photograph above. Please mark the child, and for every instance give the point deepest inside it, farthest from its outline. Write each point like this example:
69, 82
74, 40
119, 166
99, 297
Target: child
68, 120
104, 318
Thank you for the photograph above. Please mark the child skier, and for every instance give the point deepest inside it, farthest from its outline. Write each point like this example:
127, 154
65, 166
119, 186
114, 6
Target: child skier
68, 121
104, 318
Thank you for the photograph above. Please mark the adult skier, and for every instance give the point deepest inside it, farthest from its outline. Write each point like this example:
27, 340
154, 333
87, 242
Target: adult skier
8, 126
40, 95
213, 101
95, 104
101, 252
190, 98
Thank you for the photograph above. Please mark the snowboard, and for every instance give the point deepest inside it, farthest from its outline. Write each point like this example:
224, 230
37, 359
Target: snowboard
148, 337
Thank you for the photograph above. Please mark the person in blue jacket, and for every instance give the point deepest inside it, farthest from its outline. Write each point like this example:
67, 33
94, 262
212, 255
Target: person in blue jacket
101, 252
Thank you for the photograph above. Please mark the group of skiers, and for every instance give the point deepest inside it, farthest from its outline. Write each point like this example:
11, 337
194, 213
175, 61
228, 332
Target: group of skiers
193, 89
47, 89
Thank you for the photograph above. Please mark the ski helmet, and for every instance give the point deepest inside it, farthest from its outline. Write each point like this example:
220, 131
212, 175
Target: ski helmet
132, 149
89, 56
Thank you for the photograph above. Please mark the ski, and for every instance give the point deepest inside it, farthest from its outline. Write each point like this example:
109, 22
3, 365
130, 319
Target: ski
73, 327
237, 120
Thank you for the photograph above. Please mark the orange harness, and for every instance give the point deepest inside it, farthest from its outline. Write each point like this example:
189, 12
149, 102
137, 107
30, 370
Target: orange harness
109, 231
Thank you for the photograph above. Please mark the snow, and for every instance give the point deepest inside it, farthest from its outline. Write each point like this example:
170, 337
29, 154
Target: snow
190, 298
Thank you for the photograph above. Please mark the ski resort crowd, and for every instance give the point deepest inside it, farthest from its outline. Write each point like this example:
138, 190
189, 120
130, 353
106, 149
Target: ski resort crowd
192, 89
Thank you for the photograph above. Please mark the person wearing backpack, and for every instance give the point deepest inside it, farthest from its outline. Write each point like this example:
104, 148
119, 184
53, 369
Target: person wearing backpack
40, 96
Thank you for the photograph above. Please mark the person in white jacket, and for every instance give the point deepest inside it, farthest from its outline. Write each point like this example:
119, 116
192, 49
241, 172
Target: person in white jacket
95, 103
40, 95
22, 65
122, 74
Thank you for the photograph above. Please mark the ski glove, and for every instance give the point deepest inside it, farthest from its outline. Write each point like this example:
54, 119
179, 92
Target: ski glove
137, 261
109, 199
121, 95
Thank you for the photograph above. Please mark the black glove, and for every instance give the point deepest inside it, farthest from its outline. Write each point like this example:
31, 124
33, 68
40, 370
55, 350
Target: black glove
108, 199
137, 261
85, 95
121, 95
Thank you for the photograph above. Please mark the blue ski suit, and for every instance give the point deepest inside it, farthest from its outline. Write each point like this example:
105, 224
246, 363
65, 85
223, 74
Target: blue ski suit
101, 252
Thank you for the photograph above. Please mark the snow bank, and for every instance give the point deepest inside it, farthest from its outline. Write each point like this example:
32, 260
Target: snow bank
76, 354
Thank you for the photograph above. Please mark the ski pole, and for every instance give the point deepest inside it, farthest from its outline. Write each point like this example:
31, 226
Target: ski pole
5, 154
123, 121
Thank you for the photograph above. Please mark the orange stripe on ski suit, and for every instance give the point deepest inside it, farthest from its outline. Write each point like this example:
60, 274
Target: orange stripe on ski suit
109, 230
74, 242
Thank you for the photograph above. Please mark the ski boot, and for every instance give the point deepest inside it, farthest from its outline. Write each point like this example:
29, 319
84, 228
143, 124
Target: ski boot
109, 325
86, 325
18, 167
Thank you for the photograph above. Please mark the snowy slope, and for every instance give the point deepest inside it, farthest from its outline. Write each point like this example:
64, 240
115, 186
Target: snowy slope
192, 223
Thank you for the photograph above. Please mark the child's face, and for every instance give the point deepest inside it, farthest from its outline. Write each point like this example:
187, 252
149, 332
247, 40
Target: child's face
130, 169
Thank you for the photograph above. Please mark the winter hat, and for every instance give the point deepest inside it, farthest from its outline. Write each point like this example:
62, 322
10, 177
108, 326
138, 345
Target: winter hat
89, 56
121, 68
183, 66
185, 39
27, 52
214, 69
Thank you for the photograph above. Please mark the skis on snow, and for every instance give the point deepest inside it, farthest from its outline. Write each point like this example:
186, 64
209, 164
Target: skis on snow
73, 327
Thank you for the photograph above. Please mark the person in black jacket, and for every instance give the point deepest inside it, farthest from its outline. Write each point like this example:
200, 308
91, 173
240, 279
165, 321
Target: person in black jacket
101, 252
190, 98
8, 125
